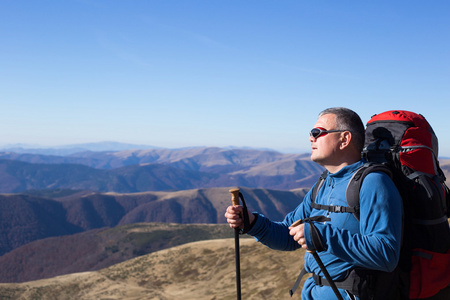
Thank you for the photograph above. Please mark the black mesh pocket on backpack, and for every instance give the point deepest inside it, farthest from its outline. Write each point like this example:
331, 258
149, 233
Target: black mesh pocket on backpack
428, 208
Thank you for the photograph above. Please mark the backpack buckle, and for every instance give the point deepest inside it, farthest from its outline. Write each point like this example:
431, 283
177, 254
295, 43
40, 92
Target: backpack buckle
339, 209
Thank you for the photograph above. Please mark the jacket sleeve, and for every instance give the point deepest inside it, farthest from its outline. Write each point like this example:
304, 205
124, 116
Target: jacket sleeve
275, 235
377, 246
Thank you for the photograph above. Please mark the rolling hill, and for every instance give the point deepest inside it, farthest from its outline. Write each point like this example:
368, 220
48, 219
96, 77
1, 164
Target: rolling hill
100, 248
200, 270
26, 218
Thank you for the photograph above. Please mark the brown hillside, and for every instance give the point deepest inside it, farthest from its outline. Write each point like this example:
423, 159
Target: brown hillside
24, 219
27, 218
100, 248
188, 206
201, 270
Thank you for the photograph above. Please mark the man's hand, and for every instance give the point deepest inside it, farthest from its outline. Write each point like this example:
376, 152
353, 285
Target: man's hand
298, 233
234, 216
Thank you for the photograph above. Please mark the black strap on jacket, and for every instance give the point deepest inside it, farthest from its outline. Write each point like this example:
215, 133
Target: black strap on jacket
247, 225
330, 208
297, 282
352, 192
356, 282
315, 236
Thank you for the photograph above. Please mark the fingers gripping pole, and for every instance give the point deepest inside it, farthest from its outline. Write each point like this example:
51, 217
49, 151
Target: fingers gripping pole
235, 201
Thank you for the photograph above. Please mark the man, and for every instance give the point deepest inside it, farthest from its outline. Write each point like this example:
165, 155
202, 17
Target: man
372, 243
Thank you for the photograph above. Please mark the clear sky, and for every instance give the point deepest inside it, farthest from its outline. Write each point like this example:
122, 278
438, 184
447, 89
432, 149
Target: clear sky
223, 73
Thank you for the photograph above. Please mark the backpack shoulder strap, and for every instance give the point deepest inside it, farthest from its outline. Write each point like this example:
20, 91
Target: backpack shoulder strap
352, 192
330, 208
318, 185
355, 183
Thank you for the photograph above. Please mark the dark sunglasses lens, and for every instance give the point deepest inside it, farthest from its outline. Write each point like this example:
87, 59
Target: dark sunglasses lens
315, 132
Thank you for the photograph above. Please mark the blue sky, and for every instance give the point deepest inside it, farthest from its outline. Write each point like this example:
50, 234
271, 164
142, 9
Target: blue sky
216, 73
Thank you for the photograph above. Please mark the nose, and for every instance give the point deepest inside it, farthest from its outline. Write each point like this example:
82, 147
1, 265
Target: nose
312, 139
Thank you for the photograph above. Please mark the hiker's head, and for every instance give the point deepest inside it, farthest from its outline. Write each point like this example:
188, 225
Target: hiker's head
338, 136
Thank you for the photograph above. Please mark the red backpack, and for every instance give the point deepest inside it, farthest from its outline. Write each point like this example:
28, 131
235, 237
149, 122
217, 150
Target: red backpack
406, 143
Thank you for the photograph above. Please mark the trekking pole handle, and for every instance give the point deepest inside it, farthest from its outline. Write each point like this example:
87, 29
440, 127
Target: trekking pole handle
235, 196
296, 223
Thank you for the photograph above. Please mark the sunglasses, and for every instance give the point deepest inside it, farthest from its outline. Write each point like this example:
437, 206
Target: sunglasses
318, 132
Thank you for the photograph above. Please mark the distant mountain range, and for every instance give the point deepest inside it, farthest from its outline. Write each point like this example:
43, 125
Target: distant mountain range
108, 146
70, 149
130, 171
156, 170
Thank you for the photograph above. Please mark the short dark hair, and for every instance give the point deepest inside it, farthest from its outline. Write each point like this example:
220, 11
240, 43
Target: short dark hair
347, 119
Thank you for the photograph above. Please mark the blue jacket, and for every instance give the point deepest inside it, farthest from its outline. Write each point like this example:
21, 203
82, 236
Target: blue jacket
371, 243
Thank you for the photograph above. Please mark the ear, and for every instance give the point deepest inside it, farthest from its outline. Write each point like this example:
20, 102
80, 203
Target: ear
346, 137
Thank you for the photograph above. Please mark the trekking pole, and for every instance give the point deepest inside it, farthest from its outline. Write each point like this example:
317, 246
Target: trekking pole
325, 272
235, 201
321, 266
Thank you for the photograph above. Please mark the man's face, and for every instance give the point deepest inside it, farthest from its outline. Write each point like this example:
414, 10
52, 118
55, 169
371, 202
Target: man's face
324, 149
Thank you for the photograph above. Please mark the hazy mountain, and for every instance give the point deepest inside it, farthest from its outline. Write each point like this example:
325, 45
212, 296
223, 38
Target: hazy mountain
70, 149
445, 166
26, 218
202, 270
156, 170
190, 158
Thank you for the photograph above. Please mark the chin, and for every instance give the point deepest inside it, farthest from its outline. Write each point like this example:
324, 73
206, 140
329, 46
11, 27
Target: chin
316, 158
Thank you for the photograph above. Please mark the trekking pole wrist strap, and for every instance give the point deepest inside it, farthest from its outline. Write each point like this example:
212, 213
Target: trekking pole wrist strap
247, 225
312, 233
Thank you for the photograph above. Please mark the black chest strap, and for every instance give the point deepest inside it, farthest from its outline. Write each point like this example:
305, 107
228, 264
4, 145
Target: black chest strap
352, 192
